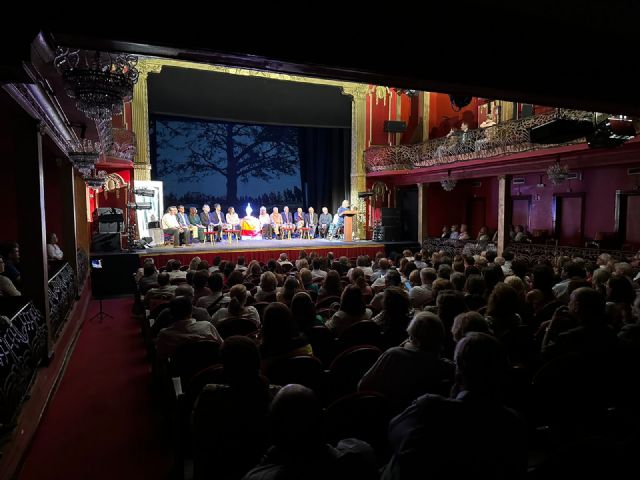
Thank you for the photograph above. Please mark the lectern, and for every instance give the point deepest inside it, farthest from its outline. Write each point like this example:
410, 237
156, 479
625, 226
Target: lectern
348, 224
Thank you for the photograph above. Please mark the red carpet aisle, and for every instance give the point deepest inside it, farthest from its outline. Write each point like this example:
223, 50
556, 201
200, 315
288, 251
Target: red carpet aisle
101, 423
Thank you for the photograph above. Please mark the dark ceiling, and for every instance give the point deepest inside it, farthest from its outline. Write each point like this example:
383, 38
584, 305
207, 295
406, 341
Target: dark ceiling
211, 95
550, 52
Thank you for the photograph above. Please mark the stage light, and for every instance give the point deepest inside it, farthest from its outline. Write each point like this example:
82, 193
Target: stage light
144, 192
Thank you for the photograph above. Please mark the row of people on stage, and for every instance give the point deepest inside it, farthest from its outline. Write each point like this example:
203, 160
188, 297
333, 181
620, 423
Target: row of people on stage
194, 225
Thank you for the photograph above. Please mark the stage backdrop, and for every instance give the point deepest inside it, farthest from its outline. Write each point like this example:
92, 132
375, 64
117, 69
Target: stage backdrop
203, 161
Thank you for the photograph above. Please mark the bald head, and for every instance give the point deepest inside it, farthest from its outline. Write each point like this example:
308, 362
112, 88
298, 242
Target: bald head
296, 418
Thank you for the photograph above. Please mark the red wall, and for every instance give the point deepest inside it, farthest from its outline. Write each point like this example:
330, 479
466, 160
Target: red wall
379, 110
442, 117
447, 208
599, 184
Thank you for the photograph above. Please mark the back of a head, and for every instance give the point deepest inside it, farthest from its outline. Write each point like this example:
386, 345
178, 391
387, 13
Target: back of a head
352, 302
481, 363
215, 282
450, 303
149, 269
238, 295
268, 281
164, 279
426, 331
491, 256
503, 301
200, 279
444, 271
469, 322
396, 301
573, 270
428, 275
543, 278
458, 281
620, 290
392, 279
508, 255
184, 290
277, 323
303, 310
383, 264
296, 419
316, 264
475, 285
305, 276
180, 308
240, 358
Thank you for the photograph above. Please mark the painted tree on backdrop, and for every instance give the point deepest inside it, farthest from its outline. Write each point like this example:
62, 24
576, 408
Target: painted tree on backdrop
239, 152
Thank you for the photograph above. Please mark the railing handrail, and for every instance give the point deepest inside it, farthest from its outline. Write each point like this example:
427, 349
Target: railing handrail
66, 264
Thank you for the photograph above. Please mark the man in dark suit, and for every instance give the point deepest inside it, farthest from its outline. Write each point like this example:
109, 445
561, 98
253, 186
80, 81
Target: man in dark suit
324, 222
311, 221
287, 218
217, 220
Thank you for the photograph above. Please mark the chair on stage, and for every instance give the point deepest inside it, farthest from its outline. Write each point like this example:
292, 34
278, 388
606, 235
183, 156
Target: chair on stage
286, 232
229, 232
305, 232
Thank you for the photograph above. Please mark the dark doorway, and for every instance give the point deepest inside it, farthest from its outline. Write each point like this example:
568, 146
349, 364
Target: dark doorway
628, 218
407, 201
476, 215
520, 210
568, 218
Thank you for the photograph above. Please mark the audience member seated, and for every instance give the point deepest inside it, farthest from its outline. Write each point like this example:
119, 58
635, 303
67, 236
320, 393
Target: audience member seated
228, 445
53, 250
502, 308
570, 270
149, 278
352, 310
10, 251
289, 289
317, 273
304, 312
184, 330
472, 435
391, 279
266, 291
7, 288
405, 372
299, 450
358, 279
331, 286
395, 316
422, 294
200, 288
237, 308
469, 322
161, 291
279, 337
165, 319
483, 235
216, 298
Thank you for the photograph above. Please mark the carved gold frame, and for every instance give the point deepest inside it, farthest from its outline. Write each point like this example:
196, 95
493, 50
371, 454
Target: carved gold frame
140, 111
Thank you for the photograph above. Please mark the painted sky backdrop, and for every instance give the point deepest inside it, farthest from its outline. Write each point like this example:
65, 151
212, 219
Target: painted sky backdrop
211, 161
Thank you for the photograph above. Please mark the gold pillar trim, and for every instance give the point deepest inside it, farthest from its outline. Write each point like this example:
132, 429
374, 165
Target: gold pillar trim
140, 111
426, 107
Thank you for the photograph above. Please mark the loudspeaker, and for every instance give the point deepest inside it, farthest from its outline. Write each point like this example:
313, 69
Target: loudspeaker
395, 126
105, 242
561, 130
391, 234
391, 217
110, 220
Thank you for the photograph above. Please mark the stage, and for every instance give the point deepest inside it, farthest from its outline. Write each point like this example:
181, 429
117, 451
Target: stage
261, 250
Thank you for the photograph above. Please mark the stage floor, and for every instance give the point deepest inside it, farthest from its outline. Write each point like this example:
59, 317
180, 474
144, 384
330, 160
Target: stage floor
262, 250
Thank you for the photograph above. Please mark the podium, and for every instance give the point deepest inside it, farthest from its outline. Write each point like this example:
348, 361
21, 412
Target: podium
348, 224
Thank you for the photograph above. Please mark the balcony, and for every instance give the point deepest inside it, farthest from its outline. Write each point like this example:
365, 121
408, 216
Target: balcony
502, 139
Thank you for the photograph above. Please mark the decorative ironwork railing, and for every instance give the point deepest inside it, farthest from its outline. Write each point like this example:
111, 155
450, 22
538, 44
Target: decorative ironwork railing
83, 267
457, 247
501, 139
23, 345
62, 294
534, 253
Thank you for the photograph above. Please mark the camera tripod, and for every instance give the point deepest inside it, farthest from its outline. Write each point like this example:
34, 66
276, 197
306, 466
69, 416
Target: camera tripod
101, 314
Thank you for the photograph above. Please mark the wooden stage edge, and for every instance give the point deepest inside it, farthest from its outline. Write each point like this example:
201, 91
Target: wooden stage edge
248, 246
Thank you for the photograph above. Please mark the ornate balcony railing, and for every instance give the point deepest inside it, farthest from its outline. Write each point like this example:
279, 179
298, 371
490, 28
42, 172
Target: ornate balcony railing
456, 247
83, 267
62, 294
501, 139
23, 345
123, 144
534, 253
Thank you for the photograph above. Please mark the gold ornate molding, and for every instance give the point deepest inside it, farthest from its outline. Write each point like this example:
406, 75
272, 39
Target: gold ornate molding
140, 111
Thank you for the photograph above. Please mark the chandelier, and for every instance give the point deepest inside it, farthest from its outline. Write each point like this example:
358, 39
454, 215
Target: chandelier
448, 183
84, 155
95, 179
557, 173
98, 81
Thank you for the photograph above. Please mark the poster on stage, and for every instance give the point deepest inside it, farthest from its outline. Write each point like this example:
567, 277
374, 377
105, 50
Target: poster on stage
145, 217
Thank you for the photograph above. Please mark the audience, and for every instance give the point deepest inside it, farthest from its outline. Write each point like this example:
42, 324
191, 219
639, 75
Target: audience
237, 308
352, 310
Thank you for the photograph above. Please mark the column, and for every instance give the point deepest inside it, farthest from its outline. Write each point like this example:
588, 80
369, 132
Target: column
32, 232
423, 212
504, 211
140, 115
68, 221
358, 139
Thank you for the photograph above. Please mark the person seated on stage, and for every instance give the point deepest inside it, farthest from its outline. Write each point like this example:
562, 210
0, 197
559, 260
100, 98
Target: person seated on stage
333, 227
298, 219
287, 218
324, 221
183, 221
233, 222
454, 232
265, 223
171, 226
250, 226
311, 220
205, 216
53, 250
217, 221
276, 222
196, 224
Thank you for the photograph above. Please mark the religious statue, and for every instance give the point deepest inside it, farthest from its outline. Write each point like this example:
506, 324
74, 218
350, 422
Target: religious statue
250, 226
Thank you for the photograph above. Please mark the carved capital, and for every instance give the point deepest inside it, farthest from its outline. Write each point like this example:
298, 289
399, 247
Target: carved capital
147, 66
357, 91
